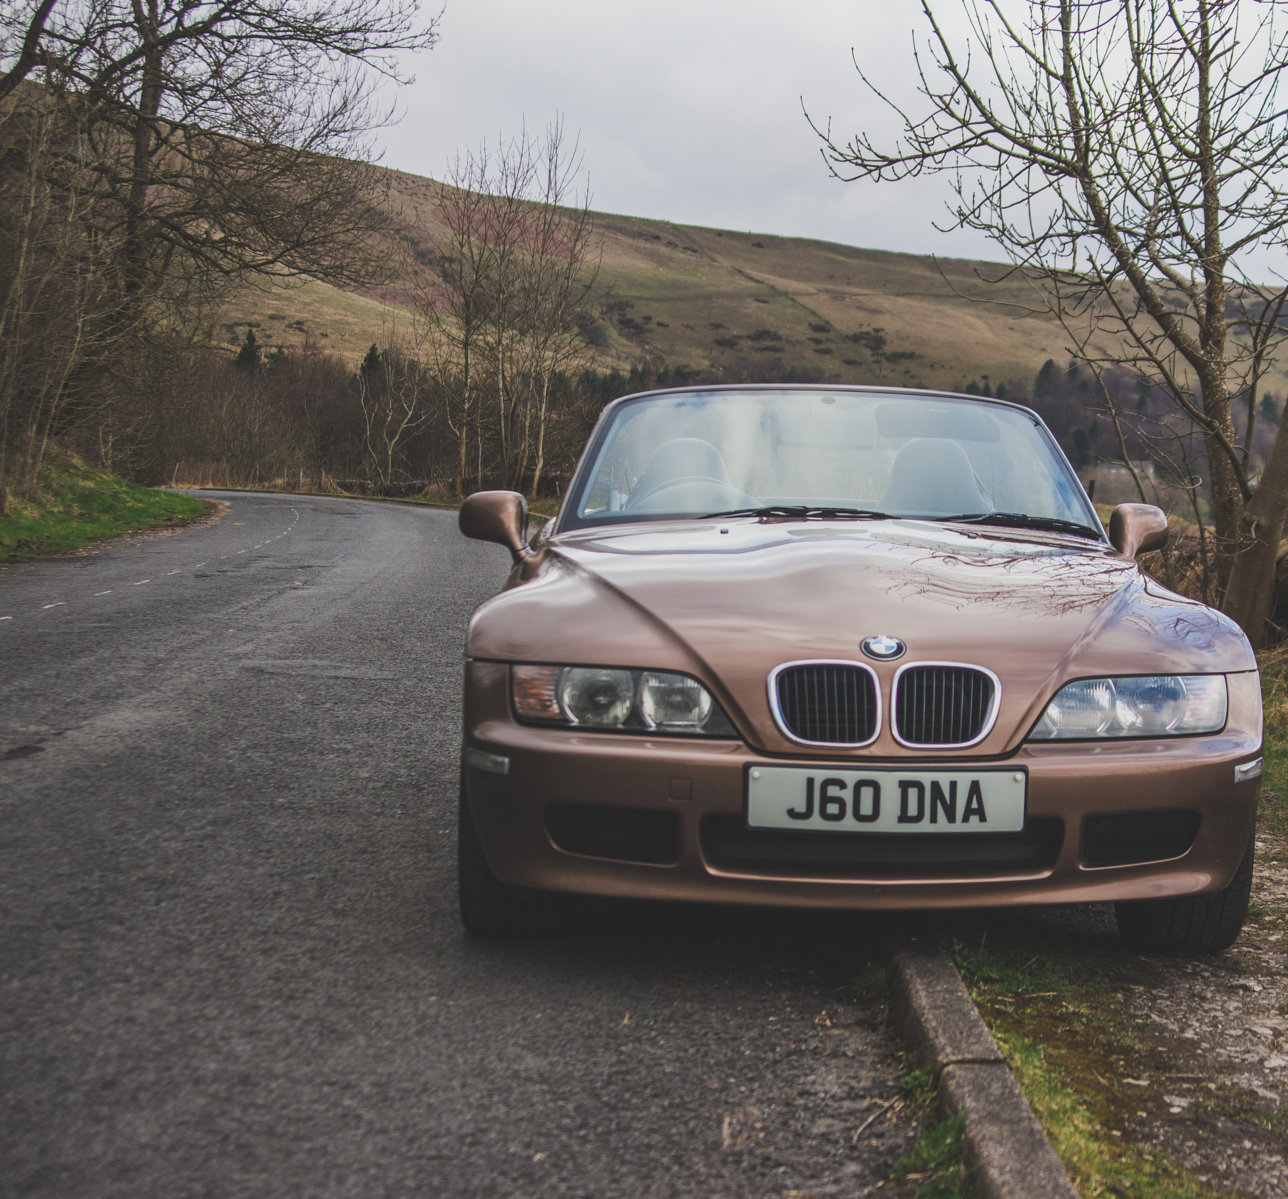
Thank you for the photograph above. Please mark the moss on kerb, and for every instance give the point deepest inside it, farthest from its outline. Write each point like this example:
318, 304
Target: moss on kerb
1114, 1092
1125, 1060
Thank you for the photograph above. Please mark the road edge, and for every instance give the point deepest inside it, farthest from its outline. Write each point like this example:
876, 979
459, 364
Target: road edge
1005, 1149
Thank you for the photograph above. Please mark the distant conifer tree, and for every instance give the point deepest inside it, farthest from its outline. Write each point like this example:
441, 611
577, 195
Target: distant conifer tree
251, 355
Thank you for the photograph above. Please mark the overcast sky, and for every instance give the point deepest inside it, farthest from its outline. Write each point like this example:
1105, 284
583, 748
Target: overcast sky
687, 110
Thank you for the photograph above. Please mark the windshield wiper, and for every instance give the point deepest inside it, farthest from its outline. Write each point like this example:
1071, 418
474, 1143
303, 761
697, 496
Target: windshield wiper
803, 512
1020, 520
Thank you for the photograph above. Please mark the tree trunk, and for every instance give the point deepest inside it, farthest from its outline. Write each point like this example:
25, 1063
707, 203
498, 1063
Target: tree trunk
151, 89
462, 454
541, 436
1226, 490
1249, 594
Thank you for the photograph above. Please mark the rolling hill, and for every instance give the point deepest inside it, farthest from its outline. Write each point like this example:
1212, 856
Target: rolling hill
671, 294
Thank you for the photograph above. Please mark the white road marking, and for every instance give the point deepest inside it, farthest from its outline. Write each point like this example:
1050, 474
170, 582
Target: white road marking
295, 519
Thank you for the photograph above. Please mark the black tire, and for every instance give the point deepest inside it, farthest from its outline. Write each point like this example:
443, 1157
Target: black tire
1189, 923
489, 907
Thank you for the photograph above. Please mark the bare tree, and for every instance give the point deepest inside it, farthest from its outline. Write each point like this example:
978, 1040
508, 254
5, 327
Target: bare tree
514, 272
457, 304
505, 227
58, 311
559, 269
154, 153
229, 135
22, 31
393, 393
1130, 157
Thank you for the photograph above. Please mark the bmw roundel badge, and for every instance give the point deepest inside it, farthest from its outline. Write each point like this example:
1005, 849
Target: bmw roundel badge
882, 648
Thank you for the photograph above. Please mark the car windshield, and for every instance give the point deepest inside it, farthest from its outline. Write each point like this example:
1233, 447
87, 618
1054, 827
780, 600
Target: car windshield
825, 453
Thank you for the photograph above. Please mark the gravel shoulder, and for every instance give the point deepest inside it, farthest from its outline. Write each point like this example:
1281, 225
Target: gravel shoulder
1217, 1097
1184, 1058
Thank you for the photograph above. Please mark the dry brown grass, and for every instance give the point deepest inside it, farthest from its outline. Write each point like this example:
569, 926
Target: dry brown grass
681, 290
1274, 676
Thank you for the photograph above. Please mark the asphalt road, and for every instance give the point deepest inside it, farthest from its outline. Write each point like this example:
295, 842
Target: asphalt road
230, 962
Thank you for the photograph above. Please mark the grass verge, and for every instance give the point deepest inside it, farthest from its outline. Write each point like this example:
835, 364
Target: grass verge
1082, 1060
75, 504
934, 1168
1054, 1013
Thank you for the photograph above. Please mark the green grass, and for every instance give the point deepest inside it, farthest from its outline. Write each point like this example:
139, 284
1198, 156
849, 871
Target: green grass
544, 508
1098, 1162
75, 504
933, 1169
1054, 1005
1051, 1006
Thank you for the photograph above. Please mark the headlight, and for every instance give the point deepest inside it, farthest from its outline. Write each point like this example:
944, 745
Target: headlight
674, 701
602, 698
616, 700
1156, 705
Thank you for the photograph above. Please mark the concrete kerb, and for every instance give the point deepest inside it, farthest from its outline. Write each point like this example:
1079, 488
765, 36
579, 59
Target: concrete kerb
1005, 1148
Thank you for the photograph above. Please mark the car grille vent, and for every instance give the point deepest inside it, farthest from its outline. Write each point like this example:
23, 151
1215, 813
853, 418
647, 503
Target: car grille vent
943, 705
728, 844
828, 703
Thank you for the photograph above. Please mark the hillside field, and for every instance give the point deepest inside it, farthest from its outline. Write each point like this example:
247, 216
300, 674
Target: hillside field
715, 299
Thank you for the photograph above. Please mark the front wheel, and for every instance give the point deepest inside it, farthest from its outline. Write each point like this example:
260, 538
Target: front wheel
489, 907
1189, 923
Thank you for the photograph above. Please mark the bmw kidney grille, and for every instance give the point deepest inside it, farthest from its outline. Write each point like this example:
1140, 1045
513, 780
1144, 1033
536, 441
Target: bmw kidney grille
935, 706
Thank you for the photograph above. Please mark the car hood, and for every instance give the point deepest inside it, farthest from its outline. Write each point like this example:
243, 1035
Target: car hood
730, 601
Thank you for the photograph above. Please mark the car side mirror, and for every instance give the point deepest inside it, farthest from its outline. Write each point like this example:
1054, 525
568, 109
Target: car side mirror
1136, 529
500, 516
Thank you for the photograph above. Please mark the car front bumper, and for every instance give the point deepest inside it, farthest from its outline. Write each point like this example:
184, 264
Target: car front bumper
663, 818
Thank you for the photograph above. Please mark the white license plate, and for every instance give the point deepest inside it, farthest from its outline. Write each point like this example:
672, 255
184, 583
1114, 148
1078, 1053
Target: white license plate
853, 800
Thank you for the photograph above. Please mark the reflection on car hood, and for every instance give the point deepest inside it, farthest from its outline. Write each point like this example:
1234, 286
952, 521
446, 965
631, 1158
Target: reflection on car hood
731, 600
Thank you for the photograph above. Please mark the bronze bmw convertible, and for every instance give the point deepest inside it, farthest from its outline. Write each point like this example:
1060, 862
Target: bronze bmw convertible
849, 647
